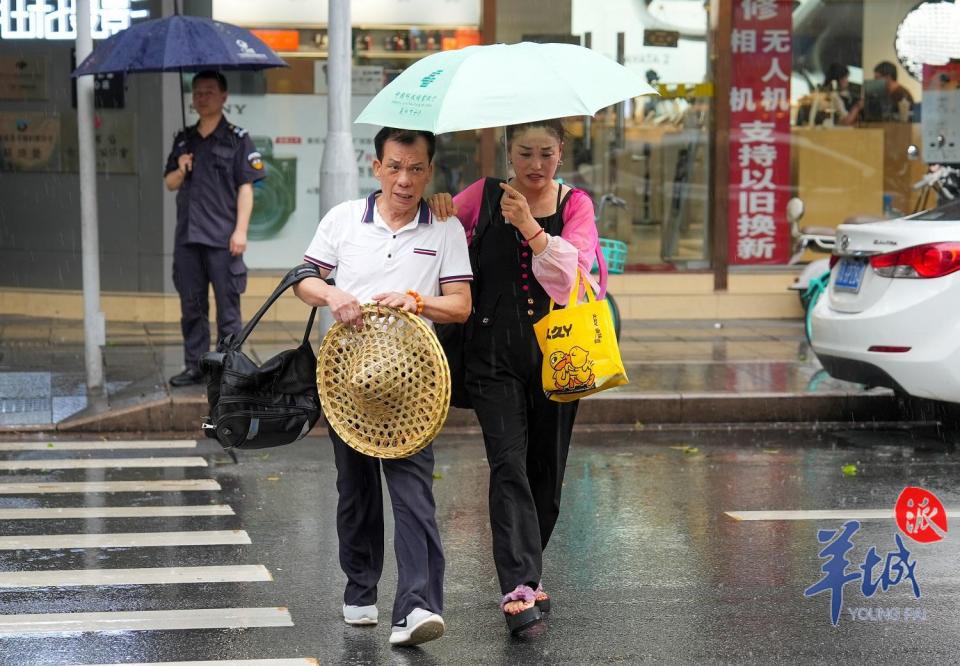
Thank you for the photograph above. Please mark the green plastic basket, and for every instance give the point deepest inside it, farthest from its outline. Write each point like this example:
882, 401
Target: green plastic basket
614, 253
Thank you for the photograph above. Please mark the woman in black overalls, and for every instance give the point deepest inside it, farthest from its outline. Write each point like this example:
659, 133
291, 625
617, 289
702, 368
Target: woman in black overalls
526, 435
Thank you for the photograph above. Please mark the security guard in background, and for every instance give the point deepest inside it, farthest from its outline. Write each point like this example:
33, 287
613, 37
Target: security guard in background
213, 166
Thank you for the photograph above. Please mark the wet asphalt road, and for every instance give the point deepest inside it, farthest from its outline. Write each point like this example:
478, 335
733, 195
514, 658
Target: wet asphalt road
644, 566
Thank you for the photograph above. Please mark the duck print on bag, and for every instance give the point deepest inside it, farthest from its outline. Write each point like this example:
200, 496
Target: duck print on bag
573, 370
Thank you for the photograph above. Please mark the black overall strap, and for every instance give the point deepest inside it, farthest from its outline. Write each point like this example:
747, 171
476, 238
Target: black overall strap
489, 199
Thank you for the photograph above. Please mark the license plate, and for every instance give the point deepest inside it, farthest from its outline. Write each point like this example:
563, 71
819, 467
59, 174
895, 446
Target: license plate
850, 275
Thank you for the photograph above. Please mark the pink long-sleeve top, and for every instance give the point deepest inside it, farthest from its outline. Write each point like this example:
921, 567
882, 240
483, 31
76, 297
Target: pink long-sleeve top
556, 267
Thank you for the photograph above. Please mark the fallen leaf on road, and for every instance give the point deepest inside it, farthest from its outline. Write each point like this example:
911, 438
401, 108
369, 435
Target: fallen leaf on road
437, 475
849, 470
273, 477
686, 449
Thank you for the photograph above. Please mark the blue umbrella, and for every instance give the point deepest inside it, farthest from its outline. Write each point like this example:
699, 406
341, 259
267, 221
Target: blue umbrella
179, 44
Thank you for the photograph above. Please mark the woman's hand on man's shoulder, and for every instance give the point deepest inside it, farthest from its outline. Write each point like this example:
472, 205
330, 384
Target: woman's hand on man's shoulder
442, 206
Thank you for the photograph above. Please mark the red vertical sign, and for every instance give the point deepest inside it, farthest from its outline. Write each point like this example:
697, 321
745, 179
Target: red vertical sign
762, 54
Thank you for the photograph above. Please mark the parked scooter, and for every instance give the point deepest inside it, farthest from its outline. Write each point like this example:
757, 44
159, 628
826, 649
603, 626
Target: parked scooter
941, 180
815, 276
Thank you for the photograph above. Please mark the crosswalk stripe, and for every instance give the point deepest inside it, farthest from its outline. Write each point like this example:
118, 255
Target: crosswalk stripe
116, 512
204, 618
305, 661
823, 514
147, 576
101, 463
94, 445
160, 486
124, 540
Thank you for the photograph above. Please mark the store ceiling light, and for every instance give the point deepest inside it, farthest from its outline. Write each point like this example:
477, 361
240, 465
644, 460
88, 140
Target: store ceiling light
928, 36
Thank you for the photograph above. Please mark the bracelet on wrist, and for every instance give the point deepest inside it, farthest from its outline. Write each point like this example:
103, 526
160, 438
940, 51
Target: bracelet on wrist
418, 298
534, 236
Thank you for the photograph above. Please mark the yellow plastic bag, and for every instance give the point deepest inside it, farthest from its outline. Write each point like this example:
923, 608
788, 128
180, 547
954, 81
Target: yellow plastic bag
580, 352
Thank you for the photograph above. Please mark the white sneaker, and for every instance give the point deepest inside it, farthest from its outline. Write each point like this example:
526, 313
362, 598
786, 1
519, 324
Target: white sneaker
418, 627
360, 615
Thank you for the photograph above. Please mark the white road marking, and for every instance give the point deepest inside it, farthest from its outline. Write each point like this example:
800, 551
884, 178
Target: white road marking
305, 661
116, 512
101, 463
93, 445
832, 514
124, 540
152, 576
204, 618
108, 487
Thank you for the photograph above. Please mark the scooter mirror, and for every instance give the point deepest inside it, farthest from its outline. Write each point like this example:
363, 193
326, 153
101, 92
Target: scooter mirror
794, 210
913, 153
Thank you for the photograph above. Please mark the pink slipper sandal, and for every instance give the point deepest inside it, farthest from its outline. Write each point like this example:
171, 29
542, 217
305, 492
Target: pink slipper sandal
542, 599
517, 622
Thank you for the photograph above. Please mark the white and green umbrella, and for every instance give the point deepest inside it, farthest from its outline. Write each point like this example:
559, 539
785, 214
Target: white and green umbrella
501, 84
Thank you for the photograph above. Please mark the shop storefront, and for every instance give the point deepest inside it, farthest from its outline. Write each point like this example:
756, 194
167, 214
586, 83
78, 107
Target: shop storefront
692, 183
646, 161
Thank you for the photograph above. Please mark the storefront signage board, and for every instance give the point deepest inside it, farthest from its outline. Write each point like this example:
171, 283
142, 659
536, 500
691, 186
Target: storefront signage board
29, 141
664, 38
761, 44
23, 79
115, 142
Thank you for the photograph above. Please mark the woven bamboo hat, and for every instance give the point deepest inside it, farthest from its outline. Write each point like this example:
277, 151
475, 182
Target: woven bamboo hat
385, 389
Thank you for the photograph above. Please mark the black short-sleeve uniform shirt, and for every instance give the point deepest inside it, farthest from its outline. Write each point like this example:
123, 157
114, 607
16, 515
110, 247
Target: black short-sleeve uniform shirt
207, 201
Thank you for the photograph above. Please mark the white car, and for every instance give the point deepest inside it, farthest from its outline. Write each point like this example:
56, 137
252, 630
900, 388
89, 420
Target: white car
891, 314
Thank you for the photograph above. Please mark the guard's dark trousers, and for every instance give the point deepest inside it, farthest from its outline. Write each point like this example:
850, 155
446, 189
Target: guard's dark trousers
416, 538
527, 438
195, 268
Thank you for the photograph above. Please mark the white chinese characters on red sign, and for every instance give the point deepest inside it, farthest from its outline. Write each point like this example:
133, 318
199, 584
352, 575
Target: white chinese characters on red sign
761, 45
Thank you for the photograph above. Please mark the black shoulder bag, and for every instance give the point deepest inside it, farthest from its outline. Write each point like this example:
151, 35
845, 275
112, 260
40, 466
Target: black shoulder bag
255, 407
453, 337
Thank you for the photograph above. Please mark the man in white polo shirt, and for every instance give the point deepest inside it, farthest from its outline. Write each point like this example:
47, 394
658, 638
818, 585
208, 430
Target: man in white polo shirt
387, 249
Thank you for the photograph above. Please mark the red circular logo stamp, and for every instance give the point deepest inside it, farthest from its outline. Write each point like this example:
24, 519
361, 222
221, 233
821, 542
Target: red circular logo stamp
920, 515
